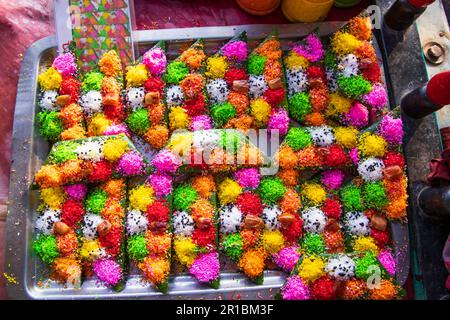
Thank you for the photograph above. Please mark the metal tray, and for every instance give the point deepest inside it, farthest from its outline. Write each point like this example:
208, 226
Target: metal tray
29, 150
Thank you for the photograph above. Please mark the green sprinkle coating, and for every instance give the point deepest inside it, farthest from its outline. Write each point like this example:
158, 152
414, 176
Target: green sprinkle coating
351, 198
137, 247
46, 248
272, 189
375, 195
138, 121
330, 60
63, 152
354, 86
366, 266
221, 113
299, 106
92, 81
314, 243
256, 64
184, 196
50, 126
176, 71
230, 140
232, 245
298, 138
96, 201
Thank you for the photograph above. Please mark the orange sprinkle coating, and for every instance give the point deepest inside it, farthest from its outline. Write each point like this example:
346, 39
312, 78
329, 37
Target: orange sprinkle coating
48, 176
113, 212
158, 244
71, 115
252, 262
354, 289
156, 113
193, 57
366, 51
66, 269
290, 203
72, 133
192, 85
397, 208
289, 177
155, 269
315, 119
157, 136
114, 188
309, 157
271, 49
250, 238
67, 244
319, 98
386, 291
204, 185
110, 64
201, 208
110, 86
361, 28
272, 70
287, 158
249, 155
239, 101
334, 241
242, 123
72, 171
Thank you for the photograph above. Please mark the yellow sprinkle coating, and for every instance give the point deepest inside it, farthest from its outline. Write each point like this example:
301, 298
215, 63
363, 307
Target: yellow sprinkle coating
344, 43
272, 241
314, 193
311, 268
141, 197
260, 110
338, 105
181, 143
216, 67
90, 250
178, 118
72, 133
372, 145
136, 75
98, 124
185, 250
50, 79
110, 64
363, 244
294, 61
229, 190
53, 197
113, 149
346, 136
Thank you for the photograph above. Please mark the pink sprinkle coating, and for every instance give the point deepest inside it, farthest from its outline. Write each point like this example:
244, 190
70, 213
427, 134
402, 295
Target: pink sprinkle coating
353, 154
313, 50
116, 129
161, 184
387, 261
376, 98
236, 50
155, 61
248, 178
295, 289
332, 179
287, 258
108, 271
131, 164
206, 267
358, 115
392, 129
279, 120
201, 122
65, 64
76, 191
166, 162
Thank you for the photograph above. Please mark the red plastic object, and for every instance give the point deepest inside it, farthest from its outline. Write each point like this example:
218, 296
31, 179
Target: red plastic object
420, 3
438, 88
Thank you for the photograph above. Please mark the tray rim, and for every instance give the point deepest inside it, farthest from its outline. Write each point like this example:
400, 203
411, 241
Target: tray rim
18, 224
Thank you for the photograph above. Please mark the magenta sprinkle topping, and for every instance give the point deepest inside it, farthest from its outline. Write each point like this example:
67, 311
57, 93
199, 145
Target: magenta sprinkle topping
206, 267
76, 191
295, 289
392, 130
287, 258
236, 50
108, 271
166, 162
358, 115
131, 164
313, 50
155, 61
202, 122
161, 184
65, 64
279, 120
387, 261
332, 179
248, 178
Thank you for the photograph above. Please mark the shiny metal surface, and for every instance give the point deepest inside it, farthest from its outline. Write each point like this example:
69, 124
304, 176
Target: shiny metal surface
29, 151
